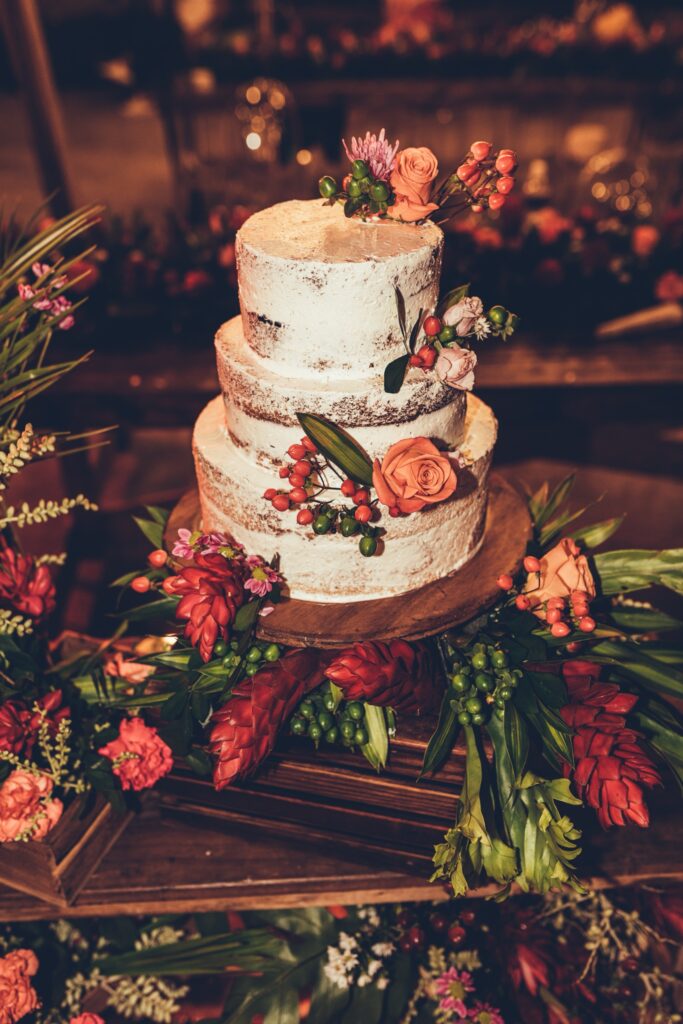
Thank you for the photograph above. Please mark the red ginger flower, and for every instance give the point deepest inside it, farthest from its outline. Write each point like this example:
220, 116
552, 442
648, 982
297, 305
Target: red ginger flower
243, 731
19, 725
26, 587
140, 757
611, 767
211, 591
396, 674
13, 726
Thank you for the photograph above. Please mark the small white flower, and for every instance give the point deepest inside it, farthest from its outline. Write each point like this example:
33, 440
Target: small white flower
347, 942
363, 980
382, 983
481, 328
383, 949
373, 967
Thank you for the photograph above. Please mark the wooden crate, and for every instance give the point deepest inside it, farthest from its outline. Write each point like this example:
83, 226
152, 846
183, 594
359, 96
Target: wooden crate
56, 868
334, 797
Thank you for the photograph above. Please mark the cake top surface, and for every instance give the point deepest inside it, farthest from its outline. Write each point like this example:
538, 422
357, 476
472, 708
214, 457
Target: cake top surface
312, 231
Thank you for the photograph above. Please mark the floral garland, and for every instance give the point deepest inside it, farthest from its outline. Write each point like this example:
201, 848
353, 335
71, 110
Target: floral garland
604, 957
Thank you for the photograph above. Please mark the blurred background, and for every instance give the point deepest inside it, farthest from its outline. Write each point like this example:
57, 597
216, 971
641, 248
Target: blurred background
184, 116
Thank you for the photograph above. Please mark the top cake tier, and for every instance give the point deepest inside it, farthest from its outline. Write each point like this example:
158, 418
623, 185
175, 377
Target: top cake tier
318, 290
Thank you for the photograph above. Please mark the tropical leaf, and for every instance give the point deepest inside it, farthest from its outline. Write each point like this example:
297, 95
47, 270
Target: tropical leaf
254, 949
632, 659
394, 374
516, 739
443, 738
412, 340
401, 309
596, 534
338, 446
622, 571
643, 620
545, 502
376, 750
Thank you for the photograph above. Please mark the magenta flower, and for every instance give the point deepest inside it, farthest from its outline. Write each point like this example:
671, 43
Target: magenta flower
376, 151
484, 1013
218, 544
452, 987
43, 302
262, 578
183, 547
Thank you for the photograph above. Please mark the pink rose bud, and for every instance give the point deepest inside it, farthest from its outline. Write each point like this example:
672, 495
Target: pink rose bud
496, 200
506, 162
505, 185
455, 367
480, 150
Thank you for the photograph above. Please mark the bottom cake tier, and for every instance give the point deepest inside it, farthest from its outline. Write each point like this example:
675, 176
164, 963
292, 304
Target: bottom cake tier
417, 549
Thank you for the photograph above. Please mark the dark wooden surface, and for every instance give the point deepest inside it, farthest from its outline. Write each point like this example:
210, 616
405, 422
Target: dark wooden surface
163, 864
424, 612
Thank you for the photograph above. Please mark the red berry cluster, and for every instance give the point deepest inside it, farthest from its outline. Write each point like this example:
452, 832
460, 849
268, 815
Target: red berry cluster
307, 477
415, 934
487, 176
563, 615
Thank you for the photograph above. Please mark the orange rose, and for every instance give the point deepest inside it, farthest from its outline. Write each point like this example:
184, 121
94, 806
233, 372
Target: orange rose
17, 995
26, 806
564, 570
413, 473
411, 179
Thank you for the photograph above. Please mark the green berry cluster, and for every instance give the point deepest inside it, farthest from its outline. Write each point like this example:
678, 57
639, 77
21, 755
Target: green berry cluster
504, 322
482, 681
252, 660
342, 519
322, 716
360, 192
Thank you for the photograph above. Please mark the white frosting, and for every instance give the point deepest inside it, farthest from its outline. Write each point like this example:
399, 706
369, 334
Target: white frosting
318, 290
418, 549
261, 406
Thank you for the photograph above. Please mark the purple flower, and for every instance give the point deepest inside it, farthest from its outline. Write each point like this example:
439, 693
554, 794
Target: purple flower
451, 987
183, 547
58, 306
376, 151
484, 1013
262, 578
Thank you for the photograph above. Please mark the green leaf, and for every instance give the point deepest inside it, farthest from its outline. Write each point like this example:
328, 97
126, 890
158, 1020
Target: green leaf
175, 705
394, 374
376, 750
246, 616
123, 581
633, 660
412, 341
544, 505
643, 620
199, 761
152, 529
339, 447
451, 298
552, 530
253, 949
516, 739
622, 571
158, 514
549, 687
595, 535
443, 738
401, 308
162, 608
553, 732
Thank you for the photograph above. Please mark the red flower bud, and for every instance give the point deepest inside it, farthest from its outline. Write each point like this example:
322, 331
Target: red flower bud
506, 161
480, 150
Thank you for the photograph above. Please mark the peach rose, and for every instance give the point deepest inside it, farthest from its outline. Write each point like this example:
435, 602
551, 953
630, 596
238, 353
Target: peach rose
455, 367
411, 179
563, 571
413, 473
126, 668
140, 757
17, 995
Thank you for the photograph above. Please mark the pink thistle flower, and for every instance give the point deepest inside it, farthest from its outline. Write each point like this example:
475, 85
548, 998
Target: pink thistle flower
451, 987
262, 578
485, 1013
376, 151
61, 305
183, 547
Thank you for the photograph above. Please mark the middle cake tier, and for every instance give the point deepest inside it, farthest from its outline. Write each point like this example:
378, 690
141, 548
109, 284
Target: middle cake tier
261, 405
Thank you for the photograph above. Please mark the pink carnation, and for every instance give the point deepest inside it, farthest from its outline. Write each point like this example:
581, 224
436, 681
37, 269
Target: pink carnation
139, 755
17, 995
27, 807
262, 578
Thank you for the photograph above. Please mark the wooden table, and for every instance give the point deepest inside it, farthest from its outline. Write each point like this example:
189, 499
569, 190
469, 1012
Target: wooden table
165, 863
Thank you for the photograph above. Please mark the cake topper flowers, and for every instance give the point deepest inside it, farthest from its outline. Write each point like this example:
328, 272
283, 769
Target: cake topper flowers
389, 183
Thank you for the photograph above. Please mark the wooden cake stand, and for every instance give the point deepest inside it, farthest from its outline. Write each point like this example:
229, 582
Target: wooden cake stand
438, 606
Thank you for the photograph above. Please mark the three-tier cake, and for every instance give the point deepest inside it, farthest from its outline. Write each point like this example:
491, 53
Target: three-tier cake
318, 325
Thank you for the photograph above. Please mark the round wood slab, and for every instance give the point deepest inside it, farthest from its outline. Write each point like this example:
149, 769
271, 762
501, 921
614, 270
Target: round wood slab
438, 606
